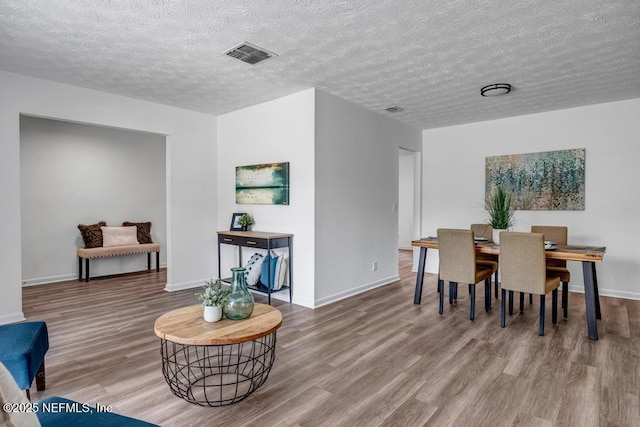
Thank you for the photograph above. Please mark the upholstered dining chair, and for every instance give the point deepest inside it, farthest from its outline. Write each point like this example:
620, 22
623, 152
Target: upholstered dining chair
523, 265
559, 235
458, 265
487, 260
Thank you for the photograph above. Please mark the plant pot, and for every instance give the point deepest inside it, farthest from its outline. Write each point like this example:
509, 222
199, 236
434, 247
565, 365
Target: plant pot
212, 313
496, 235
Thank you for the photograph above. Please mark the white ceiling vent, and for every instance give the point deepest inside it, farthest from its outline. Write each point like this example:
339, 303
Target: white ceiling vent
394, 109
249, 53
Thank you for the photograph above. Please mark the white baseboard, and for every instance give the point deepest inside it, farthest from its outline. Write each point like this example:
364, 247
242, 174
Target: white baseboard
74, 276
172, 287
50, 279
12, 318
607, 292
355, 291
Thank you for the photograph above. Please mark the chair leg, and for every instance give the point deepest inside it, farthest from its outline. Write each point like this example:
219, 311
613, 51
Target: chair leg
495, 281
521, 302
565, 299
487, 294
541, 329
40, 382
530, 298
503, 308
554, 306
472, 314
455, 291
510, 303
441, 295
450, 293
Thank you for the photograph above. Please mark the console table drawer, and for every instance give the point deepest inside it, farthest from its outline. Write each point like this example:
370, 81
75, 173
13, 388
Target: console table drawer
243, 241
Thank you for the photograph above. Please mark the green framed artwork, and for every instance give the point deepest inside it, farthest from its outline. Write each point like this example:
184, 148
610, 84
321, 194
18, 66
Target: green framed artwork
266, 184
551, 180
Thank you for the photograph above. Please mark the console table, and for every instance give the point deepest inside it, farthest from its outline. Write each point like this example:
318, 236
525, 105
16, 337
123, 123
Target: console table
260, 240
220, 363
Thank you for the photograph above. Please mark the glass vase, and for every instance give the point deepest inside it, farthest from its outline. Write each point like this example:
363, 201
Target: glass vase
239, 303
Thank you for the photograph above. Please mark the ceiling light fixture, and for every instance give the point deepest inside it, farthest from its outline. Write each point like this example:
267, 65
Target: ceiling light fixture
394, 109
496, 89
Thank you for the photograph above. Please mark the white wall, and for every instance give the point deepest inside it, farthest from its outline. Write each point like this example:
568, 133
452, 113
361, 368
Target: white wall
277, 131
191, 174
78, 174
453, 182
356, 197
405, 199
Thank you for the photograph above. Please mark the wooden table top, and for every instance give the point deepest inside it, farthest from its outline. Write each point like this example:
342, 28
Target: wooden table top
187, 326
255, 234
563, 252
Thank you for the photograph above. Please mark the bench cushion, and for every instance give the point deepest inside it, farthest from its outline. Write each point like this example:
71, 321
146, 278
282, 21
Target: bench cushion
117, 250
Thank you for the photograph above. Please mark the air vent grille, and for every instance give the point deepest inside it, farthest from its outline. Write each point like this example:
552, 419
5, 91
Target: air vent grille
394, 109
249, 53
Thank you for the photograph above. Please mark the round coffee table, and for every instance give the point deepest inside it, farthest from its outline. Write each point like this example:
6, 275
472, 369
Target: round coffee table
217, 364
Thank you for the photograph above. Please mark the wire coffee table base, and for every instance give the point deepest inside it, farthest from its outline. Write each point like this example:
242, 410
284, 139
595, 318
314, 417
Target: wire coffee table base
217, 375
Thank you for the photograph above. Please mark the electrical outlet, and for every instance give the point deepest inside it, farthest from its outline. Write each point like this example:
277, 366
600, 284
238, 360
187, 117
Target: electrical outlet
374, 266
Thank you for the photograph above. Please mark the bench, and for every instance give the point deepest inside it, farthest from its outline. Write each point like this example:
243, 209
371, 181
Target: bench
103, 252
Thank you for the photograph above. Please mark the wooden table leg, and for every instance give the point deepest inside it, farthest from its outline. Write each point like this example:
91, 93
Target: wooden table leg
590, 299
420, 276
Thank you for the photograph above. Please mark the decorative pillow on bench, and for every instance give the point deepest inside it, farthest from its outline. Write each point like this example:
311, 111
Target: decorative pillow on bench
119, 236
92, 234
144, 231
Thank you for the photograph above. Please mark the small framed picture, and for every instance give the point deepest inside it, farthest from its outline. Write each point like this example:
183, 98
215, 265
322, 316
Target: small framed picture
234, 221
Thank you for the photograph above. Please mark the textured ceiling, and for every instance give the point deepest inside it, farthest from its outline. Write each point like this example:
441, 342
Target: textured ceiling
429, 57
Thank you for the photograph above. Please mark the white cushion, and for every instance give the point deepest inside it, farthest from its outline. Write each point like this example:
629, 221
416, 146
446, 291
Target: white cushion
119, 236
253, 269
11, 393
281, 271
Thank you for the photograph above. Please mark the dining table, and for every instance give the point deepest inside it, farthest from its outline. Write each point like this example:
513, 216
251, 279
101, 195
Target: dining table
588, 255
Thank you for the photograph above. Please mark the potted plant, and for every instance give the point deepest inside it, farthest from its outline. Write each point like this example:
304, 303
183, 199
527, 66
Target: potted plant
501, 207
212, 297
245, 221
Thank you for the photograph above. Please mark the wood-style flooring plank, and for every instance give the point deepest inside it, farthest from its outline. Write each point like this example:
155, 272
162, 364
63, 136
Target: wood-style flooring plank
372, 359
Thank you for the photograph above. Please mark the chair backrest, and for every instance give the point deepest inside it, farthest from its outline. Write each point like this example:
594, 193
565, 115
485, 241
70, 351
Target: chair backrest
553, 233
483, 230
522, 262
457, 255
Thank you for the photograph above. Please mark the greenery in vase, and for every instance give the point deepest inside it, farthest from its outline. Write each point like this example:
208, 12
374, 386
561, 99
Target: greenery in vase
245, 220
213, 294
501, 207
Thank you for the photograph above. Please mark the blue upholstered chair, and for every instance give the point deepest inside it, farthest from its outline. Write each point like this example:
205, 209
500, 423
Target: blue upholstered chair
54, 411
22, 349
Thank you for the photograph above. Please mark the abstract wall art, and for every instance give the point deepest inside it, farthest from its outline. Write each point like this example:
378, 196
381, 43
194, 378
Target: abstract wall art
551, 180
266, 184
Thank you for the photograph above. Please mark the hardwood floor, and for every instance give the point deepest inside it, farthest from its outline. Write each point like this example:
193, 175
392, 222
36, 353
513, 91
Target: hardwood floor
373, 359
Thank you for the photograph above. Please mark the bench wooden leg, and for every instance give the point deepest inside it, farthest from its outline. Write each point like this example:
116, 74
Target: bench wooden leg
158, 262
79, 268
86, 264
148, 260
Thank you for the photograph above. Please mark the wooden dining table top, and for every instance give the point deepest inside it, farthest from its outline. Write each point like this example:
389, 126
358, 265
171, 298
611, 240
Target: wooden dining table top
562, 252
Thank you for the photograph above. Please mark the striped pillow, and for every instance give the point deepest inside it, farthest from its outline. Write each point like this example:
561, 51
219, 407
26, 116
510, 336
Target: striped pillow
278, 270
